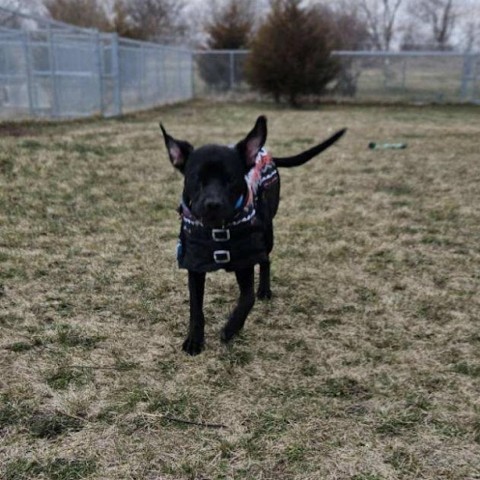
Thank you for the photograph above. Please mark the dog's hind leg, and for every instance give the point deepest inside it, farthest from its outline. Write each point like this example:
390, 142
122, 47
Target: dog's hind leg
236, 320
194, 341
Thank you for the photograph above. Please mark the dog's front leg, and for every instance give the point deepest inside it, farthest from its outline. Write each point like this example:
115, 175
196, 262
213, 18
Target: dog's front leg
194, 342
245, 279
264, 292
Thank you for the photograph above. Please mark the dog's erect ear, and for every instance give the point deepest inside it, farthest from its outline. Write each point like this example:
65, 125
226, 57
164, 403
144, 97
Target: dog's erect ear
178, 150
254, 141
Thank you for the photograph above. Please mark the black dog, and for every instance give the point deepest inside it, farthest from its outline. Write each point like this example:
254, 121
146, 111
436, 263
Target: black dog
230, 198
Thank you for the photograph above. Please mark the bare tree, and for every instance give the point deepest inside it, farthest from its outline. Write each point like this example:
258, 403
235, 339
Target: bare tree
351, 30
82, 13
439, 15
24, 6
154, 20
381, 18
231, 25
7, 19
471, 39
413, 37
11, 19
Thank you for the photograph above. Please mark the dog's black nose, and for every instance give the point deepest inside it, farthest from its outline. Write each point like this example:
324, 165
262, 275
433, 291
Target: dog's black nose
212, 205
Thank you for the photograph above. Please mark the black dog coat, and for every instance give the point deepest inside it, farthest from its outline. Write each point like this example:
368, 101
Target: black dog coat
238, 244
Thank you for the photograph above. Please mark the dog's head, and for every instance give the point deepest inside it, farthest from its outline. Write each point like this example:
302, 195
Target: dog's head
214, 174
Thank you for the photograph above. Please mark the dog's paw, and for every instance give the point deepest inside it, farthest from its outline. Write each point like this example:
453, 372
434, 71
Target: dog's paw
193, 346
226, 335
264, 293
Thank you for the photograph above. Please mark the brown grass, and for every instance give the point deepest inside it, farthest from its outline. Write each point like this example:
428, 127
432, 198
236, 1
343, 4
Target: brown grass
364, 366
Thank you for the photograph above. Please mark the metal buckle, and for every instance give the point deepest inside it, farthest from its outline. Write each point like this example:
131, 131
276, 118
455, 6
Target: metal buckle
220, 234
221, 256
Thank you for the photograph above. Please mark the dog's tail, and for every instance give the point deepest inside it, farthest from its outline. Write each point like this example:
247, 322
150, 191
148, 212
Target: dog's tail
307, 155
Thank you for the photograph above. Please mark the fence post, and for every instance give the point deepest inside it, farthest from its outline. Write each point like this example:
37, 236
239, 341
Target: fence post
166, 85
28, 71
142, 74
99, 62
117, 87
404, 74
178, 59
466, 75
476, 71
193, 59
53, 72
232, 70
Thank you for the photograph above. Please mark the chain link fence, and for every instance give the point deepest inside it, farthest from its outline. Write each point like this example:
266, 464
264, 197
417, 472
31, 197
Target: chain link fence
409, 76
364, 76
53, 70
220, 71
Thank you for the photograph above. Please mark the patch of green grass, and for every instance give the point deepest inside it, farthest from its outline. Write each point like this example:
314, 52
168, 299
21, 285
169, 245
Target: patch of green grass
181, 405
433, 309
125, 365
69, 336
466, 368
367, 476
308, 369
51, 425
236, 357
136, 394
366, 294
84, 149
13, 272
167, 367
396, 189
400, 203
62, 377
22, 469
343, 387
296, 345
30, 145
12, 411
295, 453
476, 430
19, 347
267, 425
329, 322
7, 164
380, 260
57, 469
404, 461
402, 421
433, 240
449, 429
444, 213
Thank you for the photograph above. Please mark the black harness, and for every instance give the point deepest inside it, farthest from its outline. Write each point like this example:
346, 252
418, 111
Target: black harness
239, 244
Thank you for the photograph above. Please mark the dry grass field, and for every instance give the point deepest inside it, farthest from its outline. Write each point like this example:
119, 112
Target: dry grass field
364, 366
